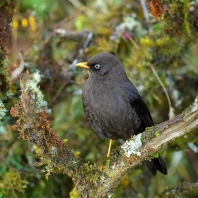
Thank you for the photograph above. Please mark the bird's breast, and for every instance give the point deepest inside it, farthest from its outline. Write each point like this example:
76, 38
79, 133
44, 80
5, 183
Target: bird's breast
108, 110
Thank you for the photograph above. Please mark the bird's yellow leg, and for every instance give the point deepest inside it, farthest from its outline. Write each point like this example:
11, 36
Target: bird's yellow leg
108, 154
109, 150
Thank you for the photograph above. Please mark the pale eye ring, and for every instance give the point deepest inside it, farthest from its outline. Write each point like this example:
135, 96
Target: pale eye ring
97, 66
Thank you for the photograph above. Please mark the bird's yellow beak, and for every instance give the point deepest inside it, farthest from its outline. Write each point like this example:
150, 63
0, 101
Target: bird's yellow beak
83, 64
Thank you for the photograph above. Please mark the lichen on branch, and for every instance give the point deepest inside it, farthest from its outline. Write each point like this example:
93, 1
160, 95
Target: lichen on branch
33, 125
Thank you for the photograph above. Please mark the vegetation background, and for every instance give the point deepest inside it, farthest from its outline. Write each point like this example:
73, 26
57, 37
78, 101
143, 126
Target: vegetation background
50, 37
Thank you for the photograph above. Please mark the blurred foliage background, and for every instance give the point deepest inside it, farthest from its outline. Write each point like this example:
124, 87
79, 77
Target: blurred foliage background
51, 36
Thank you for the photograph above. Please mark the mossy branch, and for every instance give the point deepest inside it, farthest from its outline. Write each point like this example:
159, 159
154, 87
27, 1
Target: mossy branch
33, 125
178, 190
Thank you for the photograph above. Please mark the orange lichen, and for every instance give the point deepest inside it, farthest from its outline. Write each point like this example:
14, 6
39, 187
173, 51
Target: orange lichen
43, 122
14, 111
155, 8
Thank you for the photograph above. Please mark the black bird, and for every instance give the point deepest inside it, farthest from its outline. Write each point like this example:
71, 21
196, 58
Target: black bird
112, 104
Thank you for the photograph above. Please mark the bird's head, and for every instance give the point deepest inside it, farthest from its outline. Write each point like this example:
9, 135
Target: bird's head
103, 65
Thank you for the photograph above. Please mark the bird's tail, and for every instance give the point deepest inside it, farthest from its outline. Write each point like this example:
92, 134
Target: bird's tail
157, 164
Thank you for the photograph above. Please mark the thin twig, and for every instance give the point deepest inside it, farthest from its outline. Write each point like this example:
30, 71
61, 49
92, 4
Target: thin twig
81, 7
58, 92
134, 43
60, 23
171, 110
145, 10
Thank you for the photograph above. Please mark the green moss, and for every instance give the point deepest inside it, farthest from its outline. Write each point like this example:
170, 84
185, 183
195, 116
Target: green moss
37, 150
186, 24
177, 16
4, 85
12, 185
74, 193
154, 155
182, 142
157, 133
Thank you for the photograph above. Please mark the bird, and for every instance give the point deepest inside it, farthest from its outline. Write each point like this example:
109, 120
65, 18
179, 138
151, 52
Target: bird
112, 105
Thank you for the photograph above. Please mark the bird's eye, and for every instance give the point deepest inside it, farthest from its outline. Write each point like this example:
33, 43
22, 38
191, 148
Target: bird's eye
97, 66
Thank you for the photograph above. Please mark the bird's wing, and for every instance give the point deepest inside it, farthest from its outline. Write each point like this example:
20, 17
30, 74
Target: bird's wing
142, 110
138, 104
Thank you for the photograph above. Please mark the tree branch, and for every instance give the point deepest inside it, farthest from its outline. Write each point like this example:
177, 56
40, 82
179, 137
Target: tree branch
33, 125
178, 190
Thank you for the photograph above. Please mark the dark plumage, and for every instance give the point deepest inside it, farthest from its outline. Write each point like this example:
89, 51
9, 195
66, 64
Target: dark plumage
112, 104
